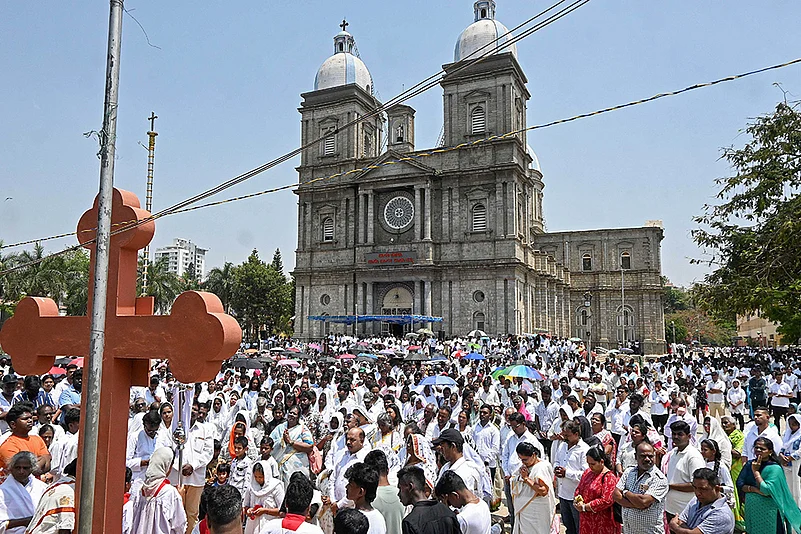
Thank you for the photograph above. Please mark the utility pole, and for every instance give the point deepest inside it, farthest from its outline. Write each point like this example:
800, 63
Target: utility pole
90, 418
623, 302
151, 153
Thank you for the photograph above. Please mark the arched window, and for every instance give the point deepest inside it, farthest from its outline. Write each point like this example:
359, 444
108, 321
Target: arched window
478, 320
625, 260
483, 13
479, 222
582, 317
341, 47
328, 229
478, 120
586, 262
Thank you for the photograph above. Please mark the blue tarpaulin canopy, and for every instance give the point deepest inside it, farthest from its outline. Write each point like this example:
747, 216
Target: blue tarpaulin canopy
394, 319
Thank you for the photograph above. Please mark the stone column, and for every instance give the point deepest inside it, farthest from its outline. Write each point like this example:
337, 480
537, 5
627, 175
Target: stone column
369, 306
427, 294
428, 214
417, 214
370, 224
446, 220
498, 213
358, 227
511, 192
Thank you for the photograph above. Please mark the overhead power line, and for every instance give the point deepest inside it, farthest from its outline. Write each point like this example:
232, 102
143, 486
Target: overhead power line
415, 157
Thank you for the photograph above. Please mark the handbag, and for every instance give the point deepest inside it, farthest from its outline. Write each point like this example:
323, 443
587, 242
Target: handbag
617, 510
315, 460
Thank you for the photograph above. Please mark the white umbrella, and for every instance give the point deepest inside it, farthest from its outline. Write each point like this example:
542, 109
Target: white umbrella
477, 333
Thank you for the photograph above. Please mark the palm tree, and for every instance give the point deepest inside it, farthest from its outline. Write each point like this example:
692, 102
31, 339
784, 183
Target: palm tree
45, 277
163, 285
8, 296
220, 281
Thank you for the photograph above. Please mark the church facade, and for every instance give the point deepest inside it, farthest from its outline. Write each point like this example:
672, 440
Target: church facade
454, 233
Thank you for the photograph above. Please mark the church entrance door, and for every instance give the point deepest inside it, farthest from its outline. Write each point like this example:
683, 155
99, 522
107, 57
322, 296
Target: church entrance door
397, 301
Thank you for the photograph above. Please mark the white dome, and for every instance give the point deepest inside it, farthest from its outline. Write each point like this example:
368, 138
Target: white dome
343, 69
535, 161
480, 34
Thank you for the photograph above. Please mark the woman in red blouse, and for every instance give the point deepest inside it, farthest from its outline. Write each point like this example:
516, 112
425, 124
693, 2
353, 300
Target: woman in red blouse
594, 496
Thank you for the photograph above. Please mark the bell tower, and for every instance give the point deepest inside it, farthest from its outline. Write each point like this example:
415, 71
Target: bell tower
401, 128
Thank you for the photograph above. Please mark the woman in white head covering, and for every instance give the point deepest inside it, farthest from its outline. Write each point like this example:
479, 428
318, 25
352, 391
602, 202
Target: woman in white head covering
218, 415
790, 455
713, 430
263, 499
157, 506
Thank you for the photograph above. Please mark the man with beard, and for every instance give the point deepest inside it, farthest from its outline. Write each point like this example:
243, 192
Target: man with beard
142, 444
20, 419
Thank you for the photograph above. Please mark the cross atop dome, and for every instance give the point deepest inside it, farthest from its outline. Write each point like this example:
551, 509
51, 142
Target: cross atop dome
344, 25
484, 9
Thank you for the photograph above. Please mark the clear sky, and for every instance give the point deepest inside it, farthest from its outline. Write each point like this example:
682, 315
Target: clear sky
227, 77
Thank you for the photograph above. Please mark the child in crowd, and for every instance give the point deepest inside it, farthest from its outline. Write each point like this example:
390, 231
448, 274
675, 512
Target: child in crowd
241, 466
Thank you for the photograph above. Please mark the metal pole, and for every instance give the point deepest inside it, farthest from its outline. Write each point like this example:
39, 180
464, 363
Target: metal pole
90, 418
151, 153
623, 303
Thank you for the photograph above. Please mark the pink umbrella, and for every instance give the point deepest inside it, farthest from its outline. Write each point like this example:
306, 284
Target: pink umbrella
414, 347
57, 371
315, 346
290, 363
77, 361
346, 356
293, 349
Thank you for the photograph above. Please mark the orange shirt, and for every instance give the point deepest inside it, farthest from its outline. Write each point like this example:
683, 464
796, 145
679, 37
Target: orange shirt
15, 444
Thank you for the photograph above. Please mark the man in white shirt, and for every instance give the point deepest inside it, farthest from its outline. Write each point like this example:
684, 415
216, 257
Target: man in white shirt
142, 444
570, 462
487, 438
715, 390
450, 444
682, 461
780, 394
760, 427
155, 393
616, 412
659, 412
354, 452
474, 514
196, 455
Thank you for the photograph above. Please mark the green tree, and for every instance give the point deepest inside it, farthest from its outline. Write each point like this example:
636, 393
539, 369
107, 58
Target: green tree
77, 276
189, 281
278, 263
8, 294
260, 295
220, 281
751, 235
162, 284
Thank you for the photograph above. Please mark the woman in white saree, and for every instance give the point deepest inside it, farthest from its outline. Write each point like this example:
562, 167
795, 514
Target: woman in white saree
532, 492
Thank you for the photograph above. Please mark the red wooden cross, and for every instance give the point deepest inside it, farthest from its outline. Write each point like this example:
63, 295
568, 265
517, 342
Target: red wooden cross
195, 338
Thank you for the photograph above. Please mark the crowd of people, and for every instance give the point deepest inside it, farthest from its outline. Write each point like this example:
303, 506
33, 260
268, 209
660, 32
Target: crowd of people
380, 435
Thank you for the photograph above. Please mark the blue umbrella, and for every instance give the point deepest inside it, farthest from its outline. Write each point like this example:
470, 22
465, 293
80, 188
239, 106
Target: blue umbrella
474, 356
368, 355
438, 380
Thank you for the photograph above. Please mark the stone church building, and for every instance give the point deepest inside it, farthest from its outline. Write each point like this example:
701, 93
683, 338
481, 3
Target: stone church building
456, 234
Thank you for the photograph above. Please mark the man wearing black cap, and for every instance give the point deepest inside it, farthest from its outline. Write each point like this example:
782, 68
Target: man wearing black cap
450, 443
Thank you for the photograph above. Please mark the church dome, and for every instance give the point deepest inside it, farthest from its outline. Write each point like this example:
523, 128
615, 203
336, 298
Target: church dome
535, 161
484, 32
344, 67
